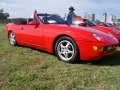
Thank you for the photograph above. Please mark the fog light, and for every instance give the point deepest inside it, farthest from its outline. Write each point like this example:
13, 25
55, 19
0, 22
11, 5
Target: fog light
109, 48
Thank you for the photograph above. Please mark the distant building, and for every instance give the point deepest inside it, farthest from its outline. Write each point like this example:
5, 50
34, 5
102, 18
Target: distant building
89, 16
118, 22
112, 19
104, 17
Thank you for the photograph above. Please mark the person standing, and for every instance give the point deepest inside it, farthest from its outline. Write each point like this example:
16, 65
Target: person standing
69, 15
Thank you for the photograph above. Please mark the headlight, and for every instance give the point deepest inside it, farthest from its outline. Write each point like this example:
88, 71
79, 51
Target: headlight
96, 36
115, 31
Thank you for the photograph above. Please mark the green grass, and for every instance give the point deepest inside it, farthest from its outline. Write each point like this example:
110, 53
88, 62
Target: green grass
23, 68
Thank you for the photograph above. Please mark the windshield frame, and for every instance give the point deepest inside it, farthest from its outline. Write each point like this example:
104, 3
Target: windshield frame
111, 25
50, 17
105, 24
89, 22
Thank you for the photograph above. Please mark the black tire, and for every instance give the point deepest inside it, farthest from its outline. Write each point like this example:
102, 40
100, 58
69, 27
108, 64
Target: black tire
12, 39
66, 50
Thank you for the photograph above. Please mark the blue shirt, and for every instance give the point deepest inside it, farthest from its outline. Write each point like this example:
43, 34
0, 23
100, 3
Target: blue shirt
69, 18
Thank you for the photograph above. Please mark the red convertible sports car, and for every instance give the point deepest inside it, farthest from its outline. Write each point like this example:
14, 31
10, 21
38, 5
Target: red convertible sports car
69, 43
89, 24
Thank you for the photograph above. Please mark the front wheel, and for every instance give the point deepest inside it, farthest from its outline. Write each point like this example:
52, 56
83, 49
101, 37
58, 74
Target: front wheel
66, 49
12, 39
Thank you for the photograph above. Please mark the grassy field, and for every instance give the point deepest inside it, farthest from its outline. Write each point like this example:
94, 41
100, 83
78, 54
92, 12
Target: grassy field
23, 68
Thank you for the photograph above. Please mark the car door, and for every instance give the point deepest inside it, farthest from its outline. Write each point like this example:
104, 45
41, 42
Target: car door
31, 35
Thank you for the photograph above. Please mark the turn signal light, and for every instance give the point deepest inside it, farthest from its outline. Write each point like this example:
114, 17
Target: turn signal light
98, 48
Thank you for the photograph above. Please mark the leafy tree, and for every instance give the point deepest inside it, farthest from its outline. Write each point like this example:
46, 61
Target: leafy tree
74, 15
3, 15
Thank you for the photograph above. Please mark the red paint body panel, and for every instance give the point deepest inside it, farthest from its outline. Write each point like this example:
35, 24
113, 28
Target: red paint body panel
43, 36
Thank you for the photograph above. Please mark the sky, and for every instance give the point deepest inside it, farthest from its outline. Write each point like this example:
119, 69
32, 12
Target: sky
25, 8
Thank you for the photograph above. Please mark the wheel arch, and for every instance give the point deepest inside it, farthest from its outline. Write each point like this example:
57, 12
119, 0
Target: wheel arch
59, 36
9, 32
15, 43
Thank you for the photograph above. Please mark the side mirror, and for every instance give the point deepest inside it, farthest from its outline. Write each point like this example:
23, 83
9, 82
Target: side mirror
32, 23
83, 24
101, 25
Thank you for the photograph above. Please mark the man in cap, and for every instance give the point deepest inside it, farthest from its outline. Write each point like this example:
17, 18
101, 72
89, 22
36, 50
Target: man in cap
69, 15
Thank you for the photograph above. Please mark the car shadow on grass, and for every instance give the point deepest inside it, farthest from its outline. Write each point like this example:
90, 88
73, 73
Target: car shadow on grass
111, 60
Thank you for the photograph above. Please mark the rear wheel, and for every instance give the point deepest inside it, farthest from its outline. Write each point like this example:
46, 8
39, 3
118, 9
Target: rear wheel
66, 49
12, 39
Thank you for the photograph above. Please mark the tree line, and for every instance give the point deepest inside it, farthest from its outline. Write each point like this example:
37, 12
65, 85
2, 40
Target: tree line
4, 18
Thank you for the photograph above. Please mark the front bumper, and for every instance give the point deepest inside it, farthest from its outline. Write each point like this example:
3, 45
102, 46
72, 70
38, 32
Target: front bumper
89, 53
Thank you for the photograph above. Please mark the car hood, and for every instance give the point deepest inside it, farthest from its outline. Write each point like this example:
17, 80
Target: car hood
103, 29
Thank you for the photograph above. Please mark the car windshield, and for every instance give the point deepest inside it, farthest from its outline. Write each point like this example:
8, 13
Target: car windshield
51, 19
106, 25
90, 23
111, 25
